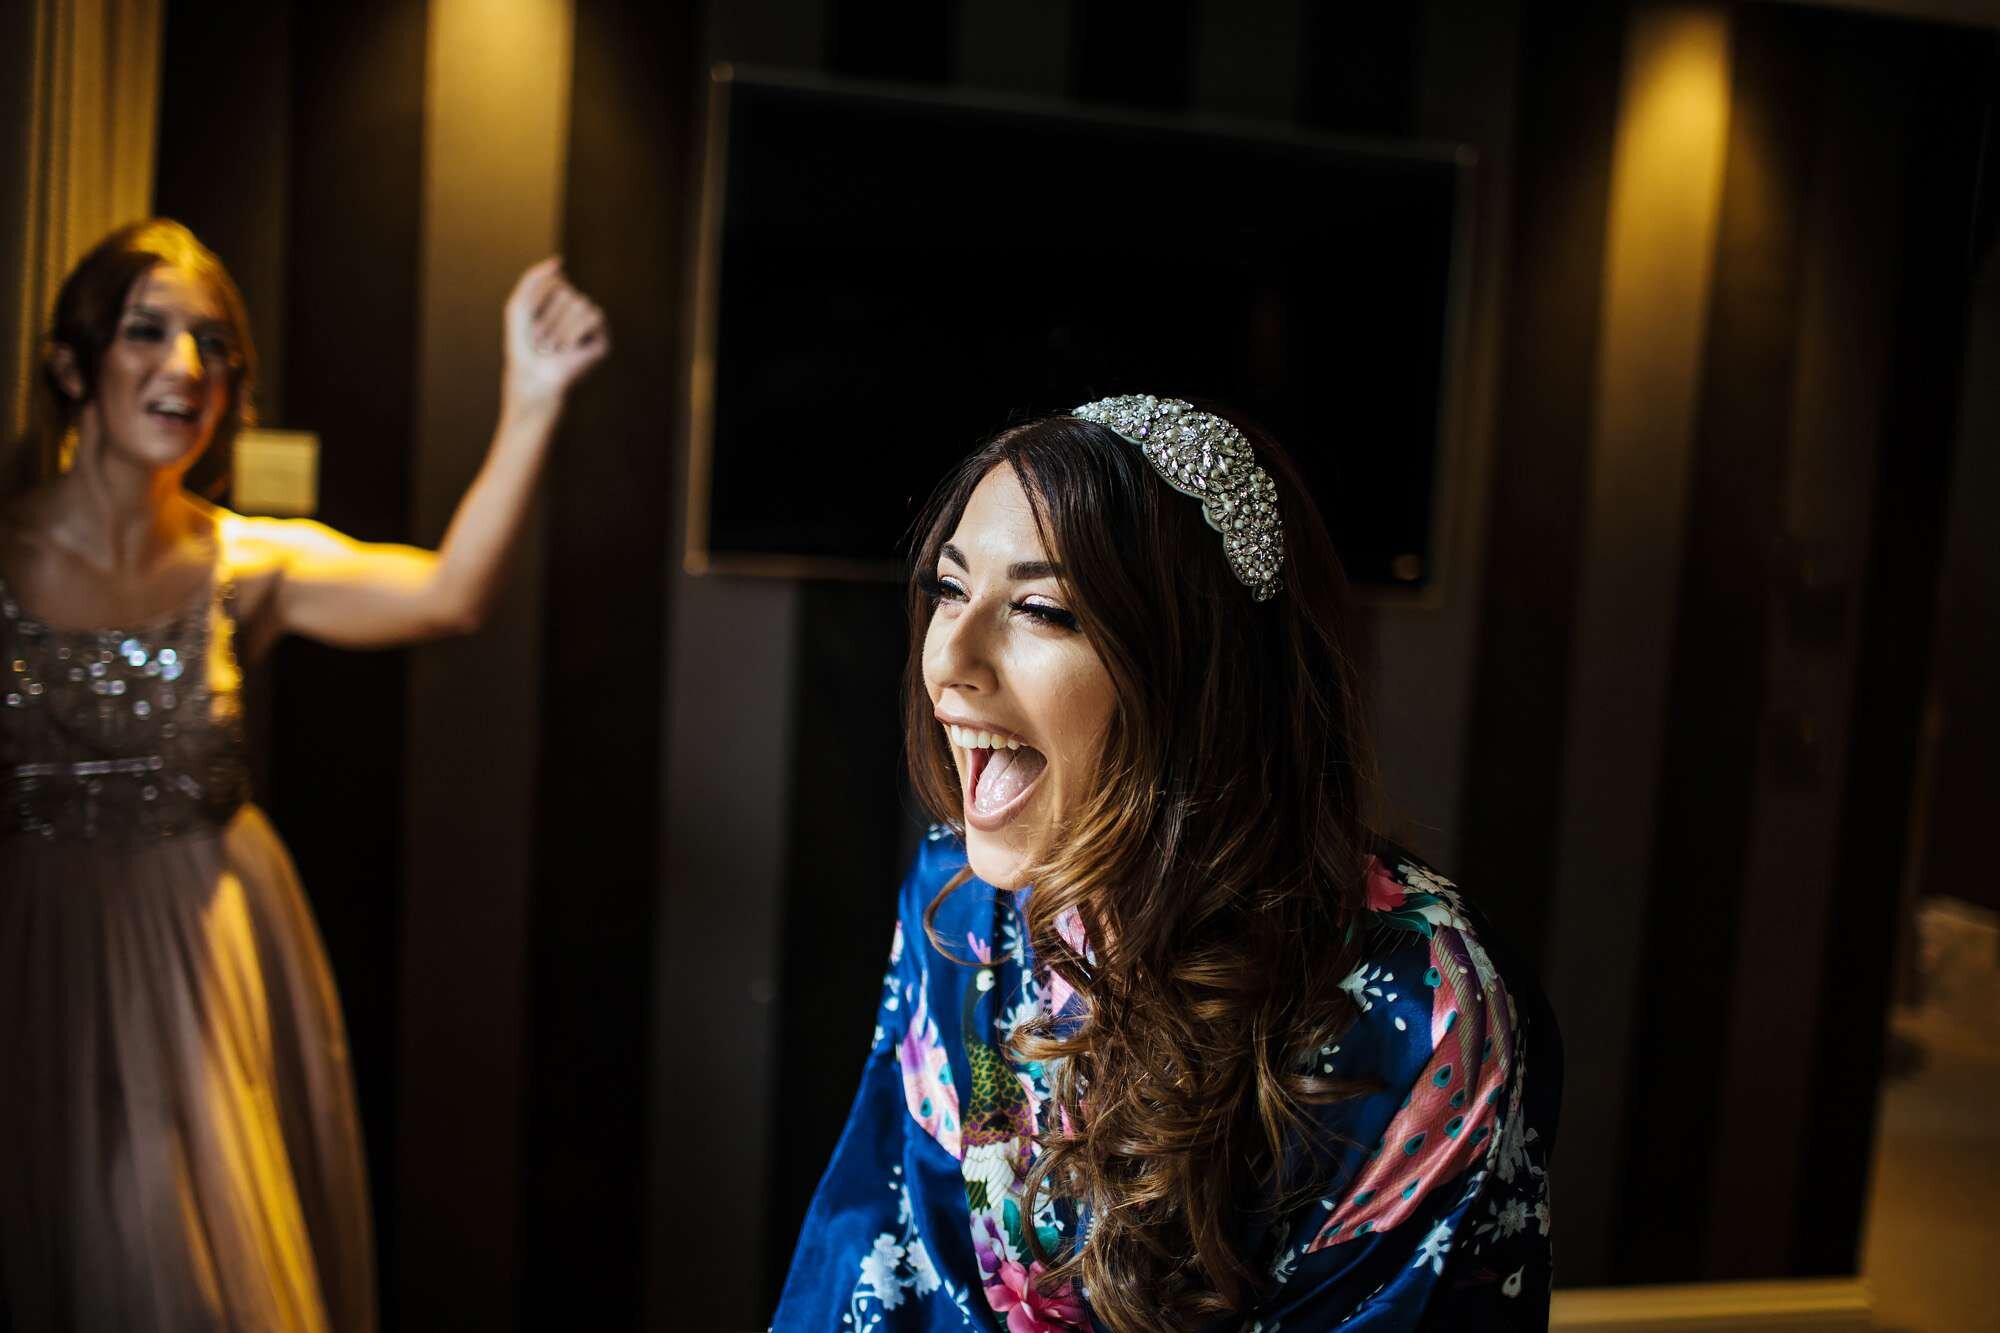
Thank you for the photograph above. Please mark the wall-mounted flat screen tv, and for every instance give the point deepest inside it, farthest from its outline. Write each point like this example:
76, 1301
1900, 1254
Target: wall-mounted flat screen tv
887, 277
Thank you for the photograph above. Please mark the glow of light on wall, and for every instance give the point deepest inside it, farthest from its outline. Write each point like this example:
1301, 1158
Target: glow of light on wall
1680, 104
1663, 212
1665, 206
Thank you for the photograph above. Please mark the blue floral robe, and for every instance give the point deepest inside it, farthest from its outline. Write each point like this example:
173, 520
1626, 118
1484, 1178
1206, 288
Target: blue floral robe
1436, 1214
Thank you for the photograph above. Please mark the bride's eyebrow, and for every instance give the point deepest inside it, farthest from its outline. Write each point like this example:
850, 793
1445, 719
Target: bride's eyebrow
203, 323
1020, 571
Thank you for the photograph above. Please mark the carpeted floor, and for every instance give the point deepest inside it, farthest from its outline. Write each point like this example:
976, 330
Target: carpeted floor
1931, 1253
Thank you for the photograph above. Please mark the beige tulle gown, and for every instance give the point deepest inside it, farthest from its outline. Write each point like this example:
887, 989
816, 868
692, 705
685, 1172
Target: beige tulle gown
177, 1120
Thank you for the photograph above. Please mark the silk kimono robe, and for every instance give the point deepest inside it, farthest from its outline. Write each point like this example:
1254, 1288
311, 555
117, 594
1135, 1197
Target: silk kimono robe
1435, 1213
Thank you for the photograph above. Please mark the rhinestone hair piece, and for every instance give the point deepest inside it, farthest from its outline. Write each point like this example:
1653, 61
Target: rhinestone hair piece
1200, 454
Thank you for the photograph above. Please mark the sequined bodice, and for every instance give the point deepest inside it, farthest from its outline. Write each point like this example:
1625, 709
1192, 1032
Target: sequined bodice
121, 735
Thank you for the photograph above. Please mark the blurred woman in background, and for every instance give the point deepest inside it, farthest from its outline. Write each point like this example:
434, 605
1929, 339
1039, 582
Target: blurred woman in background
1169, 1039
182, 1147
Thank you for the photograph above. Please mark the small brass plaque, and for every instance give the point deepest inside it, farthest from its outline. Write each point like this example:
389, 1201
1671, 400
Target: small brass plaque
276, 472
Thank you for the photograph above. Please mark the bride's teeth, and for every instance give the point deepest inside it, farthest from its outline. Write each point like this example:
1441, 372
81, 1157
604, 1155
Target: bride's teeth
970, 738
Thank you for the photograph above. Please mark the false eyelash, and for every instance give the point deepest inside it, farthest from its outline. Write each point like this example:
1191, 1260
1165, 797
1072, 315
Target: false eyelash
936, 588
1050, 615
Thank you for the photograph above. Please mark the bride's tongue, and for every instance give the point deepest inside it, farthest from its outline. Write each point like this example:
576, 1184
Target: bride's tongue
1005, 775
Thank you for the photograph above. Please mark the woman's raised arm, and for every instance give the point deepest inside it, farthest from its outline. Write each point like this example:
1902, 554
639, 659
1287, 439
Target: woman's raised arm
356, 594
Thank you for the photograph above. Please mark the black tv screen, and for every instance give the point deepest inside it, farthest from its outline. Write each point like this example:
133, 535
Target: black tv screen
890, 277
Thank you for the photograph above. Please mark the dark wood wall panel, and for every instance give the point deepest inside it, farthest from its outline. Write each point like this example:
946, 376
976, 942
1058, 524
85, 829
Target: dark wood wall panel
1850, 274
224, 164
1716, 683
1571, 60
1948, 78
1956, 854
350, 374
611, 492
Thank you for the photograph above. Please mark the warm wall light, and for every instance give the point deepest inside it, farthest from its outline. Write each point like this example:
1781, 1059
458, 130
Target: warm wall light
1682, 103
1663, 211
1666, 197
275, 472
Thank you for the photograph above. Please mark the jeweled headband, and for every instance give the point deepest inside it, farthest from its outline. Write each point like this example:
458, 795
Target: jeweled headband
1200, 454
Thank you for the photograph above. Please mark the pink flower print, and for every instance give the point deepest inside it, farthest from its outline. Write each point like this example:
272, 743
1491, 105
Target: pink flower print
988, 1249
1384, 893
927, 1086
1070, 926
980, 948
1060, 993
1016, 1292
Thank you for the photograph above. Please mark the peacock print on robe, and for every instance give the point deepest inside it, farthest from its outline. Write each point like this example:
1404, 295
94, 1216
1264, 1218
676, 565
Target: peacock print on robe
1434, 1212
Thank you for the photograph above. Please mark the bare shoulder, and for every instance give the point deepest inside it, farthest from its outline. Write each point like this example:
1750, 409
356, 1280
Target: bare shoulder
257, 551
254, 545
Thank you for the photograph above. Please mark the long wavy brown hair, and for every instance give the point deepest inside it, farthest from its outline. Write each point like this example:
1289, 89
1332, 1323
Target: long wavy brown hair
1216, 868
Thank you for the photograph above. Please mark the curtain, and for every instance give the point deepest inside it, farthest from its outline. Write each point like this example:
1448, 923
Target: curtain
79, 106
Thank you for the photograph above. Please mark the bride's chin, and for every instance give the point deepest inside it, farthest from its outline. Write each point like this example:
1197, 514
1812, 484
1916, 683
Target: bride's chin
994, 861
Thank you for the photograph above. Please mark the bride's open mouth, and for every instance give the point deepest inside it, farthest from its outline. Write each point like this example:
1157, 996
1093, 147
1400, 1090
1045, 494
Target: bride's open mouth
1001, 772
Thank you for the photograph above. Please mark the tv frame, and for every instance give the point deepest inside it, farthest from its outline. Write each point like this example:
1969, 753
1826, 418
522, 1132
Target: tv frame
698, 559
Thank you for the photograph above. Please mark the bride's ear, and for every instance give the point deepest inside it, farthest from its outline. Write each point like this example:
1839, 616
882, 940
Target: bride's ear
60, 361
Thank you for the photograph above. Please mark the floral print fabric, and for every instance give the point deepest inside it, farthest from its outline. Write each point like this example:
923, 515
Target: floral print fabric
1434, 1212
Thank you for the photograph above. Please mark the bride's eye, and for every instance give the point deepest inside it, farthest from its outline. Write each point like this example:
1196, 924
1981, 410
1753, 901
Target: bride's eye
1049, 614
943, 588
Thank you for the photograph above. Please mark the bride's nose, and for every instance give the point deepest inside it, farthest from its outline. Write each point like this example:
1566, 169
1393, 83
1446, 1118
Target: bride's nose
961, 651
